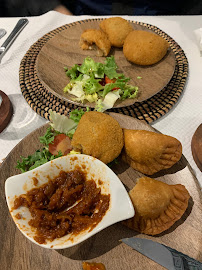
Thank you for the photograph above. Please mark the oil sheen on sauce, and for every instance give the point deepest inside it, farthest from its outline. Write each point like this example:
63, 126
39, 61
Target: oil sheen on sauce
66, 204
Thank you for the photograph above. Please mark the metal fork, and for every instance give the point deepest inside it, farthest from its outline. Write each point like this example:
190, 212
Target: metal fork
17, 29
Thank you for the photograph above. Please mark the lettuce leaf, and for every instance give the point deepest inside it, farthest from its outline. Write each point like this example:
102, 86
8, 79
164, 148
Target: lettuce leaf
108, 101
76, 114
73, 72
90, 67
110, 68
61, 123
92, 86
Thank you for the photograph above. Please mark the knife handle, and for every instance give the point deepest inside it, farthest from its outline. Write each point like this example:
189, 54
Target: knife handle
184, 262
17, 29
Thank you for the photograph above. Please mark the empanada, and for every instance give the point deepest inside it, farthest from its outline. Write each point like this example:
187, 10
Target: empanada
94, 38
149, 152
157, 205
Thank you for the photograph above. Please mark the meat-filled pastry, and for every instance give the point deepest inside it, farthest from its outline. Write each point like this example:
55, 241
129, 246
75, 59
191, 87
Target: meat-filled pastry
149, 152
157, 205
117, 30
95, 39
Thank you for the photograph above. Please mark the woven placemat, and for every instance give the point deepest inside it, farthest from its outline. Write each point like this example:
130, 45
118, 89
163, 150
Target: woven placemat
41, 100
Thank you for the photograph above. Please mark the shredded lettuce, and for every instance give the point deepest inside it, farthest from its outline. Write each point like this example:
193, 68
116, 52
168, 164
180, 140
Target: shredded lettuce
87, 83
40, 156
76, 114
110, 68
58, 124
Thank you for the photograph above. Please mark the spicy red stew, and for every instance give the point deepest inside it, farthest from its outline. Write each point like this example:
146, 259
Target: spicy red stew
48, 204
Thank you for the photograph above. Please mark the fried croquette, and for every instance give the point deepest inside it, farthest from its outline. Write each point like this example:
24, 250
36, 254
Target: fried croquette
98, 135
117, 30
144, 48
149, 152
95, 39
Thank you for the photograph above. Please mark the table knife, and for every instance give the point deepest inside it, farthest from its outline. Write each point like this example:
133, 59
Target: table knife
17, 29
163, 255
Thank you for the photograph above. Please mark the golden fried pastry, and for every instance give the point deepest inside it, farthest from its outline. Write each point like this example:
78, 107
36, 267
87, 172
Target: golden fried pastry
149, 152
98, 135
157, 205
92, 37
144, 48
117, 30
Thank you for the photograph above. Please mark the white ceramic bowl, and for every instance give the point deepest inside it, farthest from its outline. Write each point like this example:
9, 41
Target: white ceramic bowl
120, 208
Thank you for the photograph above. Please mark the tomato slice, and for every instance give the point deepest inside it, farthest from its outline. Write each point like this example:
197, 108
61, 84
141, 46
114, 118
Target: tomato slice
61, 143
108, 80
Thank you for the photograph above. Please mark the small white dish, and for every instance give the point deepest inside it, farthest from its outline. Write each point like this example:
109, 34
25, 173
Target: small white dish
120, 208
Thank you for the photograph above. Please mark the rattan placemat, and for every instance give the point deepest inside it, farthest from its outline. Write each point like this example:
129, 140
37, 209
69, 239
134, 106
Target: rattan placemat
41, 100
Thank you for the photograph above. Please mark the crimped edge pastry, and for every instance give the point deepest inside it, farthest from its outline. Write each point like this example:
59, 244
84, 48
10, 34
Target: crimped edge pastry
157, 205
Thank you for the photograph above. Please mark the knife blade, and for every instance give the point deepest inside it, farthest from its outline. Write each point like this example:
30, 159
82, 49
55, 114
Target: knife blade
163, 255
15, 32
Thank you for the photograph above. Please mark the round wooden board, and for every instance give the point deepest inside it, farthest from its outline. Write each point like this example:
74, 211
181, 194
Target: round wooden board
63, 50
17, 252
6, 111
196, 147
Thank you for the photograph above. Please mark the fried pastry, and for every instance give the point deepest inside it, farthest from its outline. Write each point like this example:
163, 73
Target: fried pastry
117, 30
157, 205
95, 39
98, 135
149, 152
144, 48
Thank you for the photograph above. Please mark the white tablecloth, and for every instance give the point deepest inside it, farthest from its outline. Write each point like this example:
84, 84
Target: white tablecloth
180, 122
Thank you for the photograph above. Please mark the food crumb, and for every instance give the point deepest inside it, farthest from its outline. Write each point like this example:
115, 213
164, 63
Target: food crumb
93, 266
18, 216
35, 181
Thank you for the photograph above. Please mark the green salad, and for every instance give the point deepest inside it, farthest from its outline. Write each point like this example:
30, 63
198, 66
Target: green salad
100, 83
59, 125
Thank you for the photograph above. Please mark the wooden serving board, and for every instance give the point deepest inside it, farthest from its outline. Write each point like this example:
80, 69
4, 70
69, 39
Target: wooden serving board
196, 147
17, 252
6, 111
63, 50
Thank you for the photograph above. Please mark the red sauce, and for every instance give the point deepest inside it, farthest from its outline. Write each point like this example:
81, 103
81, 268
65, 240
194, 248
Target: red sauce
48, 204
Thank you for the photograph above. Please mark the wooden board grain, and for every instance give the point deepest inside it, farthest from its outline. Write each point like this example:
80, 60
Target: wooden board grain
17, 252
63, 50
